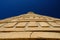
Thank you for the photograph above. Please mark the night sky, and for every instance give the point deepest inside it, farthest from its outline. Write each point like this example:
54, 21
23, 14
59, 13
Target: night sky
9, 8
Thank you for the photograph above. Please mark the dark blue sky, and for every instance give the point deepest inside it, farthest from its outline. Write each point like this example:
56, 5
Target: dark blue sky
9, 8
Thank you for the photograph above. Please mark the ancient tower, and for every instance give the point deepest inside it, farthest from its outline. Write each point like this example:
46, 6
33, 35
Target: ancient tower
30, 25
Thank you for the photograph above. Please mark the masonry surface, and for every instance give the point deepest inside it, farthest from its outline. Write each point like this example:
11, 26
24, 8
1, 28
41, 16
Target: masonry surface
30, 25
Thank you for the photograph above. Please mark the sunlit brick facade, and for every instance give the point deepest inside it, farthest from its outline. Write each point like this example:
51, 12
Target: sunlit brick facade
30, 26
